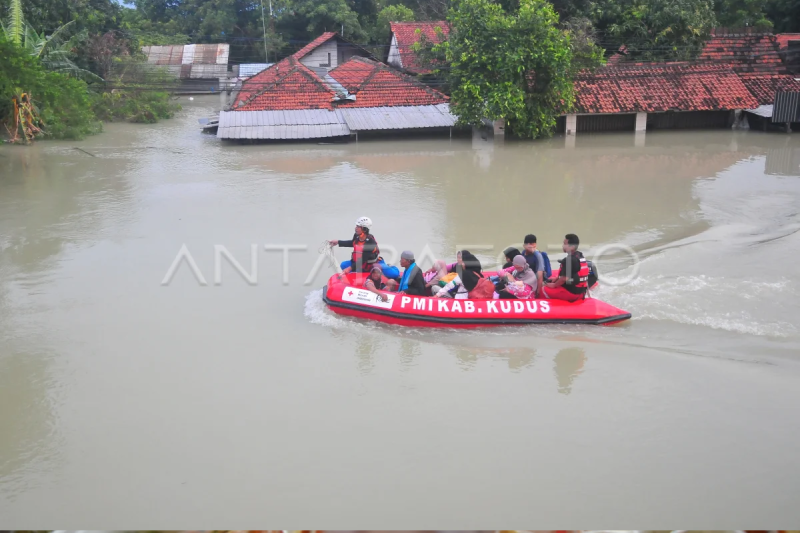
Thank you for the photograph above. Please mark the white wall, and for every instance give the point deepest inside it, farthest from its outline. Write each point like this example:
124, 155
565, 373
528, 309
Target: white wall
319, 56
394, 54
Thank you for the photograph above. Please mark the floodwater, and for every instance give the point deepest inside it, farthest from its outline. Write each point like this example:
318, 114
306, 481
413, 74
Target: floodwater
125, 399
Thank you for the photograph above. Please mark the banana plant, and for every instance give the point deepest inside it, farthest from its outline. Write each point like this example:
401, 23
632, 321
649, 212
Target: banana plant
52, 50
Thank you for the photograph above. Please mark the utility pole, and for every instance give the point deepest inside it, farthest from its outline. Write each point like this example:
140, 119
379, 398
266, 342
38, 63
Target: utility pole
264, 24
272, 28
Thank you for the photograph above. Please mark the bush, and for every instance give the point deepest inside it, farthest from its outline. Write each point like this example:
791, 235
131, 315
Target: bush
62, 103
134, 105
139, 93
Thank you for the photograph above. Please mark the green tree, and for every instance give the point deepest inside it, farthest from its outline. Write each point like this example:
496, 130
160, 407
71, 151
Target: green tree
568, 9
785, 14
52, 51
515, 66
146, 32
586, 54
329, 15
395, 13
237, 22
61, 103
658, 29
741, 13
94, 16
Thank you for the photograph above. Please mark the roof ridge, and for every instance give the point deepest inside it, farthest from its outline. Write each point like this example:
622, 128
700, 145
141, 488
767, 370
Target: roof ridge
405, 77
296, 67
322, 39
368, 78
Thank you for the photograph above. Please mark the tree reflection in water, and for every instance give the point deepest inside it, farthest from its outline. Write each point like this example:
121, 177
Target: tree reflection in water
568, 365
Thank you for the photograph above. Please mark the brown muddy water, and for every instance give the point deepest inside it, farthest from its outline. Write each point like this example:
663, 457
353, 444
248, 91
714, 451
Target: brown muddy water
139, 403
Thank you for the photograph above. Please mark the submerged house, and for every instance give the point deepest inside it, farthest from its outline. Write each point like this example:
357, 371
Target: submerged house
735, 75
331, 88
199, 67
637, 97
757, 59
404, 35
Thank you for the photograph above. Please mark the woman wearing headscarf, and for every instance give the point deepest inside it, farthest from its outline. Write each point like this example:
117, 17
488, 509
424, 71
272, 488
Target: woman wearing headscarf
510, 253
468, 273
520, 280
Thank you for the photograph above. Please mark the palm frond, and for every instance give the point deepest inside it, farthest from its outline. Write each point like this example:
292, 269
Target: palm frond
33, 42
14, 28
56, 38
59, 61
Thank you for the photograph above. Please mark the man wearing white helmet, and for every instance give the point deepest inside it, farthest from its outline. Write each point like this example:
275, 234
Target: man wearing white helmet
365, 251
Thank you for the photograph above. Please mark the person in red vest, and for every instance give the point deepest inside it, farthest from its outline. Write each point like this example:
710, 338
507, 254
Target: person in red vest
365, 251
572, 281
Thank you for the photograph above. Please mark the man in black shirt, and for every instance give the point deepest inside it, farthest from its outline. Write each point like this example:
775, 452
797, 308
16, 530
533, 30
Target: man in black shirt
413, 280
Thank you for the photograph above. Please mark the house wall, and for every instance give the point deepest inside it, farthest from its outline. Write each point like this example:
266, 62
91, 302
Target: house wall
347, 51
689, 120
318, 58
590, 123
394, 54
198, 86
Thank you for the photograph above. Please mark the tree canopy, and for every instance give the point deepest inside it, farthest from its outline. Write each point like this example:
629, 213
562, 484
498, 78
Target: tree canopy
504, 58
658, 29
511, 65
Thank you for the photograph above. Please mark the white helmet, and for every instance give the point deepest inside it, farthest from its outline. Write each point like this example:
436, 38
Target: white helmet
364, 222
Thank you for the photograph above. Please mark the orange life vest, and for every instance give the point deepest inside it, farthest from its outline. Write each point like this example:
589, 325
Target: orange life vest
359, 259
358, 252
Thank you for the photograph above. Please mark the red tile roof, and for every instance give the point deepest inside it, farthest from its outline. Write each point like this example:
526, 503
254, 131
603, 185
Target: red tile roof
764, 86
322, 39
784, 38
353, 73
287, 84
756, 52
657, 88
377, 85
406, 35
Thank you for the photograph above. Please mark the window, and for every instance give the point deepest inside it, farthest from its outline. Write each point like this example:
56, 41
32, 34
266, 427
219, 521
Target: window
328, 64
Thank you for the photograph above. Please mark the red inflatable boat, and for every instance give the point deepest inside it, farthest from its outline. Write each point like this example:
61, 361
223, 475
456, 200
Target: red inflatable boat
348, 297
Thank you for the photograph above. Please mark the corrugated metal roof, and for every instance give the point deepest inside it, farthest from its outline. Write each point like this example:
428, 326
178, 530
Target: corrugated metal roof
208, 71
787, 107
164, 55
335, 85
762, 111
291, 124
251, 69
398, 118
190, 54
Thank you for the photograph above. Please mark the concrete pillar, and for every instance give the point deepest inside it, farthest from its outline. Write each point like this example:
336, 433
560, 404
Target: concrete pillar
482, 138
572, 125
638, 140
499, 127
740, 120
641, 122
569, 141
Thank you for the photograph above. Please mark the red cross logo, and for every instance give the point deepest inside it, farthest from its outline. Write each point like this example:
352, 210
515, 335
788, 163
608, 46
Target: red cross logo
350, 293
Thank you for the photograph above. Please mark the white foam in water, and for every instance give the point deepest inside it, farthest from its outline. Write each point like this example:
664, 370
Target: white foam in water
318, 313
698, 300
